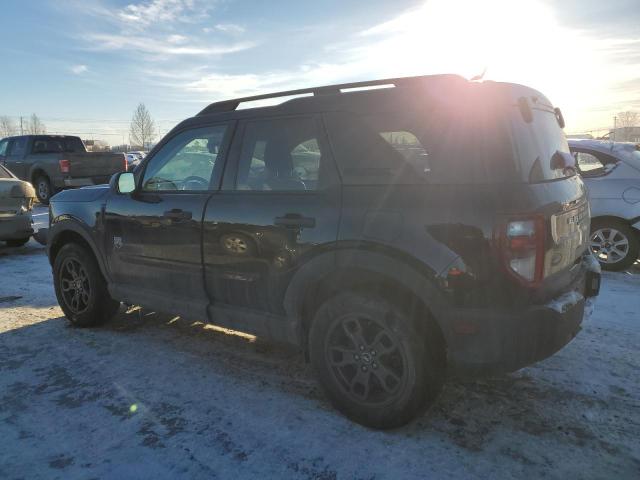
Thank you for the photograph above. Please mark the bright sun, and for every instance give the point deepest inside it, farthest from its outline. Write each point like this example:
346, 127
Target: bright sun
515, 41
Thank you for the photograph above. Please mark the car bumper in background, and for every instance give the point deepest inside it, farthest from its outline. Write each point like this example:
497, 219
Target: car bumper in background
15, 227
504, 341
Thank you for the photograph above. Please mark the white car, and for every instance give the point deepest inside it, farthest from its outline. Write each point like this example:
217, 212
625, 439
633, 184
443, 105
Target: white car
611, 172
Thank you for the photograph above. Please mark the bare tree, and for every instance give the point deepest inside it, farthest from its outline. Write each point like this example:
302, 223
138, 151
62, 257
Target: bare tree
628, 119
142, 126
34, 126
7, 127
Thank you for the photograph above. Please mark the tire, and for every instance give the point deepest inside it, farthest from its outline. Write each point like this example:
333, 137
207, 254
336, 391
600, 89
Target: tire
17, 242
614, 244
372, 360
80, 287
42, 185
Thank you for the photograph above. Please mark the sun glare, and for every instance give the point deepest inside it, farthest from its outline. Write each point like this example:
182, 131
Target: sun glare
521, 42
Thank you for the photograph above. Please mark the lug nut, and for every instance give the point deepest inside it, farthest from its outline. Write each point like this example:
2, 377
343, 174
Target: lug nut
362, 348
364, 369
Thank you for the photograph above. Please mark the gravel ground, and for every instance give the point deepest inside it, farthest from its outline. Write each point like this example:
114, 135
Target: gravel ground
150, 396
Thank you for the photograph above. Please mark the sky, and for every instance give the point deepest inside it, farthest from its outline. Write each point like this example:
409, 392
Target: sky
84, 65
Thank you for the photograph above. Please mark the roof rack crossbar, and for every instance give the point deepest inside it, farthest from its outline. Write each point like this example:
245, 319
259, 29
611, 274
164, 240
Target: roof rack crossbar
231, 105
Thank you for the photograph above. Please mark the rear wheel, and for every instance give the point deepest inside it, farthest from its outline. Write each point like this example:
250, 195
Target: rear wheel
17, 242
614, 244
372, 361
43, 189
80, 288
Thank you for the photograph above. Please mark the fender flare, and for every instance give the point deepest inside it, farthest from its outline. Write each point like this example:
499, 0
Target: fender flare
421, 284
75, 225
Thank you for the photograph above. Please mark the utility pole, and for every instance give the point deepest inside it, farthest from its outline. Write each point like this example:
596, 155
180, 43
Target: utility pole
21, 131
615, 123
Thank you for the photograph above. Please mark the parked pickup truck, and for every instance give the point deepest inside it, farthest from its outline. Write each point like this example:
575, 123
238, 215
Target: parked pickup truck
55, 162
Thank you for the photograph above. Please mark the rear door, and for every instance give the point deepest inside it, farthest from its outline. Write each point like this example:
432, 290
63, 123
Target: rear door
279, 206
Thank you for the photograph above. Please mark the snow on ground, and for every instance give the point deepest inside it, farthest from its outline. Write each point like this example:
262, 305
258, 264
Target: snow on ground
148, 396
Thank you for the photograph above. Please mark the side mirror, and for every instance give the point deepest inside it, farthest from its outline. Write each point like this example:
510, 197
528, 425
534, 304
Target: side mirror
123, 183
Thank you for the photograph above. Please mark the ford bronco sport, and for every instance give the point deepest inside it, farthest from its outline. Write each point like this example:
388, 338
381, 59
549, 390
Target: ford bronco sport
395, 234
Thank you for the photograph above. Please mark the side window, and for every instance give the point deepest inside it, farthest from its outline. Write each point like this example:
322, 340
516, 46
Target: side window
379, 149
593, 164
281, 154
19, 146
408, 145
186, 162
3, 147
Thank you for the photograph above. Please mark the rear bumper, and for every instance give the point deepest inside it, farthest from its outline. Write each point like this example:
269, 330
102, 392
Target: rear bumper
488, 341
16, 227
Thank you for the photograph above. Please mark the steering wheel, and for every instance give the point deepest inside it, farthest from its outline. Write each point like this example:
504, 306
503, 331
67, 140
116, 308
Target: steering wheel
195, 183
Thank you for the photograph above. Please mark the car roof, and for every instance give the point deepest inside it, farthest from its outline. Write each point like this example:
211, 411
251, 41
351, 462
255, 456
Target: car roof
362, 97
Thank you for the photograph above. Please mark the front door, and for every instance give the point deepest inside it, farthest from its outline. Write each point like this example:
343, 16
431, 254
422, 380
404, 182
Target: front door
279, 206
153, 236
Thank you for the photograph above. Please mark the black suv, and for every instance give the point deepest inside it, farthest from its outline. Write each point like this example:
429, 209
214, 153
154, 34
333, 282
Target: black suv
395, 234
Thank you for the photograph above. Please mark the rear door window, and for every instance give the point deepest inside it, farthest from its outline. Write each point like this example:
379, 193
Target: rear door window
281, 154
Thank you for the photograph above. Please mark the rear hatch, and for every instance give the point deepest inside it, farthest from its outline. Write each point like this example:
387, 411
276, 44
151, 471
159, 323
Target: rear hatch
558, 218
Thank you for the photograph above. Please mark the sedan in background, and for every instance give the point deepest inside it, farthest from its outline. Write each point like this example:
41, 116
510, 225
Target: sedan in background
611, 172
16, 202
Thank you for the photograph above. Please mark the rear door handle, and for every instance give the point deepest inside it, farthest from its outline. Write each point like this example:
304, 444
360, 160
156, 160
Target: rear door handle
178, 214
295, 220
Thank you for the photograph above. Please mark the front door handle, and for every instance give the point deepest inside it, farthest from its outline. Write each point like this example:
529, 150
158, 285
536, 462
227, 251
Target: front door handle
178, 214
295, 220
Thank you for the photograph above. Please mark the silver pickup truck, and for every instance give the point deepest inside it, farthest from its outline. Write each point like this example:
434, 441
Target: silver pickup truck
55, 162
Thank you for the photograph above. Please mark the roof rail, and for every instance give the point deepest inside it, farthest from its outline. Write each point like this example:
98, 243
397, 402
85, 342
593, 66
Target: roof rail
231, 105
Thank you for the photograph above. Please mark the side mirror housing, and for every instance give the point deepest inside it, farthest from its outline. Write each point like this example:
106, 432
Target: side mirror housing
123, 183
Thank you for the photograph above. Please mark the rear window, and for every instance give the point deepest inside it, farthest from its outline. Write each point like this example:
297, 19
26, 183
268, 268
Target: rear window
57, 145
430, 145
536, 143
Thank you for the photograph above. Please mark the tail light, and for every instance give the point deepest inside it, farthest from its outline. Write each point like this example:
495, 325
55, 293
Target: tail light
523, 245
126, 165
65, 165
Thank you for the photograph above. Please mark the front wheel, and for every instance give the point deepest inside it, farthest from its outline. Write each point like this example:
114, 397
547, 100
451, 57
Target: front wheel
372, 360
614, 244
80, 287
